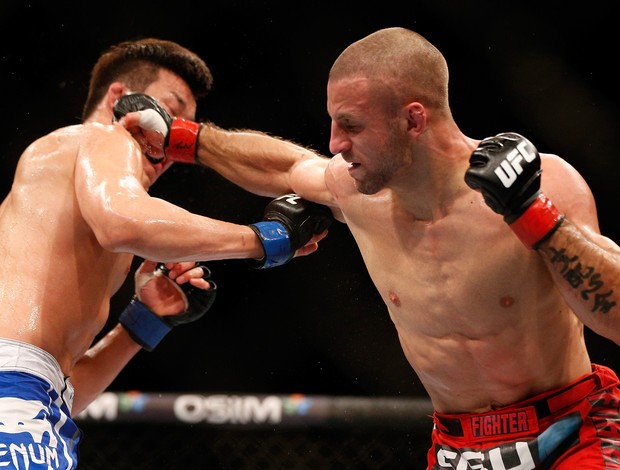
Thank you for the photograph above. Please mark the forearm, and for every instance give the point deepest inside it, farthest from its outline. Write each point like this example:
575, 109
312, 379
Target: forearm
257, 162
253, 160
156, 229
588, 276
100, 365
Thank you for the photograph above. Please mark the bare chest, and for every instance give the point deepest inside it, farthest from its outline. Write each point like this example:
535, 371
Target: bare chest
454, 273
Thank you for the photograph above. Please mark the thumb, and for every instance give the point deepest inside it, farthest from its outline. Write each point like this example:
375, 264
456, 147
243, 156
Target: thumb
130, 120
147, 266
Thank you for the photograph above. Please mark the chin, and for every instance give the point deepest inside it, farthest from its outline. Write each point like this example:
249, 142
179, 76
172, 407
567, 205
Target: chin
361, 188
367, 187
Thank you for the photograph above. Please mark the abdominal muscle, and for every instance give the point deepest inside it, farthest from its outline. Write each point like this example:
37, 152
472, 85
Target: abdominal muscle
60, 303
477, 315
477, 345
473, 375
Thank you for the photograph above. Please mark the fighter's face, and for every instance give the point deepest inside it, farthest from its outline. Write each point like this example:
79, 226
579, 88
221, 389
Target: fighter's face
365, 135
174, 94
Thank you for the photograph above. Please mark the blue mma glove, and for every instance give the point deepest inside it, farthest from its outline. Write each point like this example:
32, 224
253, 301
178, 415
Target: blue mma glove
288, 223
146, 327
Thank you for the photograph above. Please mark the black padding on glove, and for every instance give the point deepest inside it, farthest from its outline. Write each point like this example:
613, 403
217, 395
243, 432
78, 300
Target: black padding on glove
133, 102
506, 169
199, 300
301, 218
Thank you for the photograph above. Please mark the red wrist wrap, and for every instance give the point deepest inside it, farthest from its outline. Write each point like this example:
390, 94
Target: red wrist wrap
183, 141
538, 222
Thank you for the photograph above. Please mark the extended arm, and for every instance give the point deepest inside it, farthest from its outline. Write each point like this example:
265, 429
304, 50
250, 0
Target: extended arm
255, 161
111, 179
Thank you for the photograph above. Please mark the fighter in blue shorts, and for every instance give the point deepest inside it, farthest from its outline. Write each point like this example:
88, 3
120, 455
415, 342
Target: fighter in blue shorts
79, 212
36, 428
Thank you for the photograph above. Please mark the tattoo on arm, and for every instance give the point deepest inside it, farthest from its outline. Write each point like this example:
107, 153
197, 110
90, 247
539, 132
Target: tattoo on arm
583, 278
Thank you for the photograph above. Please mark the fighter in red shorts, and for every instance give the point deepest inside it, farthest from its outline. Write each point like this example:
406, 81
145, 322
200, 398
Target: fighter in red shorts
490, 313
571, 427
574, 427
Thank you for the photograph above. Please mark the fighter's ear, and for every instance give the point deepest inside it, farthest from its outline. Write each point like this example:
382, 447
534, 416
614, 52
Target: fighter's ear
416, 118
115, 91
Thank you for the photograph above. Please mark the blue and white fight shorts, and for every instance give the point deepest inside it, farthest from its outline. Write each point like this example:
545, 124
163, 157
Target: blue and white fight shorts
36, 429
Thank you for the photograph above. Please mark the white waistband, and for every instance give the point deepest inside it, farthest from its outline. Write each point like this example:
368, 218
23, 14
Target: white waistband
23, 357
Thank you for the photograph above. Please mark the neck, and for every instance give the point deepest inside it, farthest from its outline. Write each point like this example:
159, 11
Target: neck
101, 114
432, 182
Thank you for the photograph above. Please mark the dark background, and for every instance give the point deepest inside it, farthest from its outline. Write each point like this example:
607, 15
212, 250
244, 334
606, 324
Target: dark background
316, 325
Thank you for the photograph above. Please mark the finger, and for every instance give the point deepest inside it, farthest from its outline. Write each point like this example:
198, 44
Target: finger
312, 245
130, 120
177, 268
183, 266
187, 272
200, 283
147, 266
318, 237
307, 249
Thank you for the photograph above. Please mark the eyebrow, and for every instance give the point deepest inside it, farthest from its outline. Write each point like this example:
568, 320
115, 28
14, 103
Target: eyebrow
345, 117
179, 98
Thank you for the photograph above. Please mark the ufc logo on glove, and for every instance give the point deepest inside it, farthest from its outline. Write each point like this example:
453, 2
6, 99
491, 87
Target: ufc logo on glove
510, 168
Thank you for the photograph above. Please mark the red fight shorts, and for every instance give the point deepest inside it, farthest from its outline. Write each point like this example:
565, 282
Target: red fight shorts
576, 427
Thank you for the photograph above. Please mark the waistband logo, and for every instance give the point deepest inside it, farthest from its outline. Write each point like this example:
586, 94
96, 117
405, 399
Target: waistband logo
514, 422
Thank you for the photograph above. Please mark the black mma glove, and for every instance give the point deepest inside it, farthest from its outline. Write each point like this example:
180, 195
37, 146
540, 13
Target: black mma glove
146, 327
180, 135
288, 223
506, 170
